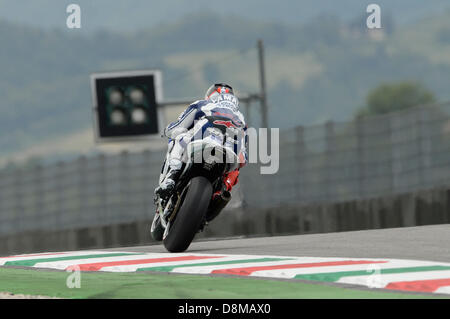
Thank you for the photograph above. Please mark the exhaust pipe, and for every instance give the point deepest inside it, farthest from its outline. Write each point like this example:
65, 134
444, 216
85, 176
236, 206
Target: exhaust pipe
225, 196
217, 204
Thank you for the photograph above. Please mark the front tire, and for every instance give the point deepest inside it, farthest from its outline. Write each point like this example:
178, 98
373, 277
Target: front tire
190, 215
157, 230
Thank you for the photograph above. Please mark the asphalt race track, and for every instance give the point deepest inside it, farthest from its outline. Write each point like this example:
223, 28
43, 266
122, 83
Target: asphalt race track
430, 243
415, 259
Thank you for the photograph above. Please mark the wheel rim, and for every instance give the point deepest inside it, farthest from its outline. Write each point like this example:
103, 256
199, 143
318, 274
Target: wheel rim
155, 222
166, 231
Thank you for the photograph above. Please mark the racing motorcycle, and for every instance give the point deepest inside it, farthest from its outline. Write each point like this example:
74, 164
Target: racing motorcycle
199, 195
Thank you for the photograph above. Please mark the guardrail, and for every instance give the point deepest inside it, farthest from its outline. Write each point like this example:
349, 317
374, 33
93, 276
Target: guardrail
334, 162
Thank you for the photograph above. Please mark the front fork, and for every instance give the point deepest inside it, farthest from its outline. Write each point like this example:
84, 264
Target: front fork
168, 209
161, 213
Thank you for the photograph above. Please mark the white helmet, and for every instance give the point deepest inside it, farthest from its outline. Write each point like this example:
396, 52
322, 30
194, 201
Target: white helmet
223, 95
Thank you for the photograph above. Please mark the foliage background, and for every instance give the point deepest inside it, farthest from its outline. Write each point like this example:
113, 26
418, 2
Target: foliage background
321, 59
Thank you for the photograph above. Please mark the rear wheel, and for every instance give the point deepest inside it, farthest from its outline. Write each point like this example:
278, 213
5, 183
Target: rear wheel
190, 215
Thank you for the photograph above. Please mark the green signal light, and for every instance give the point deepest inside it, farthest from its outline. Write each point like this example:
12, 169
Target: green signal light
139, 115
115, 96
118, 117
137, 96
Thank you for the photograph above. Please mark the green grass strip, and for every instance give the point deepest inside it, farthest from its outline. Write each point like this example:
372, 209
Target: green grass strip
170, 268
335, 276
170, 286
32, 262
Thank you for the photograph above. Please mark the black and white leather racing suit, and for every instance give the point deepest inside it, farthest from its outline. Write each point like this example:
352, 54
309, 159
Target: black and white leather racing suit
183, 131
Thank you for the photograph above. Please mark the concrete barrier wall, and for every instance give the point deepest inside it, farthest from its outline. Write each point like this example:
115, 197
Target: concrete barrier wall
405, 210
379, 156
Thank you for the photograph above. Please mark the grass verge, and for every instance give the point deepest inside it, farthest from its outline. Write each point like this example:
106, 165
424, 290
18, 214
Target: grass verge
174, 286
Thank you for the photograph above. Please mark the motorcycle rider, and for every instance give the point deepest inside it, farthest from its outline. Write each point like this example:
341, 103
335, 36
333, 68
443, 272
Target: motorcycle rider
219, 96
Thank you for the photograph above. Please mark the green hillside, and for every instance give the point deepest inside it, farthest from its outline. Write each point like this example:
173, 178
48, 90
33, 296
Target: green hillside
317, 71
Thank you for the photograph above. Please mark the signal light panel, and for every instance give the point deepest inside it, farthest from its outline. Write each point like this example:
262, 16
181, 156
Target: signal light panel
126, 104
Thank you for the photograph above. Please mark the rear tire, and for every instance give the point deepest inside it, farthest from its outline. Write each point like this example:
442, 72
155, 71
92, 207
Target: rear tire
190, 216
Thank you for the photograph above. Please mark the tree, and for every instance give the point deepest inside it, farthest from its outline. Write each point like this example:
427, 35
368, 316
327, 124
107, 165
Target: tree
391, 97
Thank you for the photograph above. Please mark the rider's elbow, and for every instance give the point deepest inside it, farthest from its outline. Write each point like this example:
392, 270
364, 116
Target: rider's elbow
175, 132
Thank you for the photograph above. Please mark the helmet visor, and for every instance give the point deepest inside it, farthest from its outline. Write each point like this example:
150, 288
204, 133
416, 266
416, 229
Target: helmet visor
218, 88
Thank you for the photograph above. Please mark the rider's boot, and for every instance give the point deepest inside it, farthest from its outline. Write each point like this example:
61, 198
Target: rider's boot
229, 180
222, 197
168, 184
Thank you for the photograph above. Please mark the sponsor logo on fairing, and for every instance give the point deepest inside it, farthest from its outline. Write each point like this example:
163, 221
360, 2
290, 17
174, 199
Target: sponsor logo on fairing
228, 124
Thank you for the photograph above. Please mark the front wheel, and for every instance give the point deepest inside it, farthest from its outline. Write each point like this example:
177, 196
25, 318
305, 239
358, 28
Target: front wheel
157, 230
190, 215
